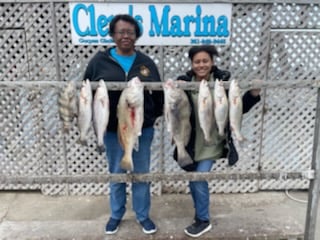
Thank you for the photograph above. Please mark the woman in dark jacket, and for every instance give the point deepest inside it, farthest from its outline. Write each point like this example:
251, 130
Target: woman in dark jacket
121, 63
202, 61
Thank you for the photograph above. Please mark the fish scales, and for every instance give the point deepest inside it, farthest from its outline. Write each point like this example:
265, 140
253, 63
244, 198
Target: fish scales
67, 105
130, 120
235, 109
85, 111
220, 106
177, 116
101, 114
205, 110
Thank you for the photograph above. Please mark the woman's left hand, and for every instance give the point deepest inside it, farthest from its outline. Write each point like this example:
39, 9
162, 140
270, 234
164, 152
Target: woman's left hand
255, 92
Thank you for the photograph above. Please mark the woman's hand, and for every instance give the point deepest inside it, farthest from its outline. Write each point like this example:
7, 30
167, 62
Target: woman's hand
255, 92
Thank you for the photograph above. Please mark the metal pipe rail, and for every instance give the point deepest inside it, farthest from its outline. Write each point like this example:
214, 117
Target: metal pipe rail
148, 177
159, 85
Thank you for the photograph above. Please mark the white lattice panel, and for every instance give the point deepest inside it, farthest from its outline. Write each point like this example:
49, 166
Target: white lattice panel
302, 16
290, 113
32, 142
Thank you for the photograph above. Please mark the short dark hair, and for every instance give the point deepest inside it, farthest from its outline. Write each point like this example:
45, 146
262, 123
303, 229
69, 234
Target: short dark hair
210, 49
126, 18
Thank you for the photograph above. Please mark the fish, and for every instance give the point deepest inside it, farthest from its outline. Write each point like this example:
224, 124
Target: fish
101, 114
130, 114
205, 110
67, 102
220, 106
235, 109
177, 111
85, 111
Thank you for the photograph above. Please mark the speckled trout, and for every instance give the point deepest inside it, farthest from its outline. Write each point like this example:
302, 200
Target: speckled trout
100, 113
220, 106
85, 111
205, 110
235, 109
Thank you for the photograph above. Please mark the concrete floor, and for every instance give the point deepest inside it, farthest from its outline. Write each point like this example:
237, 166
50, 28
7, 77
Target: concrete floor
263, 215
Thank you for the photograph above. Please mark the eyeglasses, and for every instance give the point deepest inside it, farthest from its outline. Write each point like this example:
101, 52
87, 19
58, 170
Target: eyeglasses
123, 33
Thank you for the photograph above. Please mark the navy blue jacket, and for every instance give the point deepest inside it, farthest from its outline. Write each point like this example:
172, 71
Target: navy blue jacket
103, 66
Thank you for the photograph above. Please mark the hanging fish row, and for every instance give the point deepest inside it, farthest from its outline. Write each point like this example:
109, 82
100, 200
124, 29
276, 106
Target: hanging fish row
211, 110
86, 108
89, 109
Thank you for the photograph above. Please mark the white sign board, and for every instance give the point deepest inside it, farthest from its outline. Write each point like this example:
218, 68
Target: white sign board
161, 24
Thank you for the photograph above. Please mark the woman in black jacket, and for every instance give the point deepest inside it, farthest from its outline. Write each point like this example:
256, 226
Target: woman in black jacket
202, 61
121, 63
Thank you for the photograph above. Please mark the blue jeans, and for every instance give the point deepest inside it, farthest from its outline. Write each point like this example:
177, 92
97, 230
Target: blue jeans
200, 192
141, 164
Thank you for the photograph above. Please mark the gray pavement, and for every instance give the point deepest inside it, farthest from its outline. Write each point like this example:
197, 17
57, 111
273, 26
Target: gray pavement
263, 215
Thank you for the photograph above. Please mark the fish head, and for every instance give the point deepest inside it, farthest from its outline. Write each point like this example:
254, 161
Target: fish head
219, 89
169, 84
85, 91
204, 89
134, 92
234, 88
71, 89
135, 83
101, 83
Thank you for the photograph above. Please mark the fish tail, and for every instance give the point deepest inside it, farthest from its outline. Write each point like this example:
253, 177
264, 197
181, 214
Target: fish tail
184, 158
66, 129
126, 162
221, 131
101, 149
83, 141
239, 136
207, 139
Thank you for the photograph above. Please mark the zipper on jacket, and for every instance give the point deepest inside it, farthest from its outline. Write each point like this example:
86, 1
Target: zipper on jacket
116, 62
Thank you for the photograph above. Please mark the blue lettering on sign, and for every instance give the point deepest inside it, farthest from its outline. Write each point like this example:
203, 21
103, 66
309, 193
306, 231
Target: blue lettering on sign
175, 26
94, 26
138, 18
89, 11
222, 29
160, 29
88, 41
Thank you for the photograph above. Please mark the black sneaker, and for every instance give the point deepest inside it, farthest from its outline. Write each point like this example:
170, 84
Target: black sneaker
148, 227
197, 228
112, 226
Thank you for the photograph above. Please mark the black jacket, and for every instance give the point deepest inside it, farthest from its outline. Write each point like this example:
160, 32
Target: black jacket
230, 151
103, 66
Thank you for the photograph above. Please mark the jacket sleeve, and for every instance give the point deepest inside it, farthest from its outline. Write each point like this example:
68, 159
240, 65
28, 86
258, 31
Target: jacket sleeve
88, 72
249, 101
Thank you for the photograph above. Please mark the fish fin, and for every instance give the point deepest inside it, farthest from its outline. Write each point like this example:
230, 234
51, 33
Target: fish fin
136, 145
